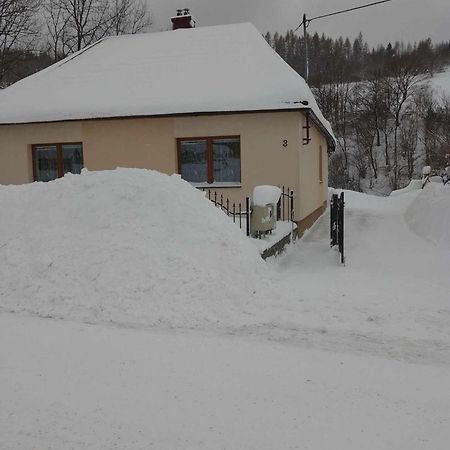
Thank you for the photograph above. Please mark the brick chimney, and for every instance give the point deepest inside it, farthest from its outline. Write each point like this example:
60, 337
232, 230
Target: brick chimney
183, 19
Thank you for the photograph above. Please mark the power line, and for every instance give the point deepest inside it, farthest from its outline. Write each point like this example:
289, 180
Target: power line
340, 12
306, 22
348, 10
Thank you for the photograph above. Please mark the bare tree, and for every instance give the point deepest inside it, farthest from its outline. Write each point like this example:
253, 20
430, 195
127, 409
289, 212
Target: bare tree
409, 134
88, 20
56, 20
74, 24
18, 29
335, 100
130, 16
404, 83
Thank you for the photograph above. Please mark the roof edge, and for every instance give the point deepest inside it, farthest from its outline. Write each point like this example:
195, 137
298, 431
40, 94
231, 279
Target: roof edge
331, 140
144, 116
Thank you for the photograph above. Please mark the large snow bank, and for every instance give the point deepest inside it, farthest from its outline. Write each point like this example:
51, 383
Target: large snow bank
128, 246
429, 214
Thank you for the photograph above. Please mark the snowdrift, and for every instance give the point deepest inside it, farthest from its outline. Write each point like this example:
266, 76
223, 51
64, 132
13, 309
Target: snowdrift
429, 214
127, 246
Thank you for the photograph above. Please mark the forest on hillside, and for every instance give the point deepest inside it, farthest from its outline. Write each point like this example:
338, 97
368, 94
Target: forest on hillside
387, 120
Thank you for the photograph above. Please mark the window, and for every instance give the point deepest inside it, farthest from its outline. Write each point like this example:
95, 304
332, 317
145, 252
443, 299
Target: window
210, 160
51, 161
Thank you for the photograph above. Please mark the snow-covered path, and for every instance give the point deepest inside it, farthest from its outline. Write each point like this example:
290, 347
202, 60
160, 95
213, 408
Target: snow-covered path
391, 299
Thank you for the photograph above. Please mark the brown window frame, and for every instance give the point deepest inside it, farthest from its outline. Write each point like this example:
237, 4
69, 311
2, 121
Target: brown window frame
209, 154
59, 157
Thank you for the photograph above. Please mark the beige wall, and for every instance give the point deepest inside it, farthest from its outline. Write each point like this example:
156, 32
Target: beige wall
151, 143
313, 192
15, 147
143, 143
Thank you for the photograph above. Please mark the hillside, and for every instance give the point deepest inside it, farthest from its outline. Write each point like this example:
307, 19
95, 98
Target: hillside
441, 81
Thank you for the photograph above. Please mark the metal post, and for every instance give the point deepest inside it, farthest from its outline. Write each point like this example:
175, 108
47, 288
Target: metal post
247, 214
305, 37
341, 227
333, 220
240, 216
292, 206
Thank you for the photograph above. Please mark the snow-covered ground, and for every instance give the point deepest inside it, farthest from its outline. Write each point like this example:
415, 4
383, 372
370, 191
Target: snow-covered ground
223, 351
72, 386
392, 298
441, 81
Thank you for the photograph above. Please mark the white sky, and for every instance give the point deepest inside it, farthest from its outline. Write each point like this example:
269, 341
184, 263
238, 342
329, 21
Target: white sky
408, 20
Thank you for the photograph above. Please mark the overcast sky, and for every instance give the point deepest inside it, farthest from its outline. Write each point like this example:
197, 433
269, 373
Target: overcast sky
408, 20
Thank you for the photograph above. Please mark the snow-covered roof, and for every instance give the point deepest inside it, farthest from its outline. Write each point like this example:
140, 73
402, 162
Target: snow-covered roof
223, 68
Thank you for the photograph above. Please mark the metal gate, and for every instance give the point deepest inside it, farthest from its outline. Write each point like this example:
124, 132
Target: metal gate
337, 223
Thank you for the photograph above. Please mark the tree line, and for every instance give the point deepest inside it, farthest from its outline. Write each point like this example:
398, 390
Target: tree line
36, 33
387, 120
340, 59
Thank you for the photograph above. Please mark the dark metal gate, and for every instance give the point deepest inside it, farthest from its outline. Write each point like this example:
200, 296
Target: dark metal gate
337, 223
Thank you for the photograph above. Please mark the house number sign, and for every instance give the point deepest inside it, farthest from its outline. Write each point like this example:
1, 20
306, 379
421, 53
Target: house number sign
285, 142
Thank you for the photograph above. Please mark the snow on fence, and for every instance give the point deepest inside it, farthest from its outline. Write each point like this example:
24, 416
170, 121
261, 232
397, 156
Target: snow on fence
241, 215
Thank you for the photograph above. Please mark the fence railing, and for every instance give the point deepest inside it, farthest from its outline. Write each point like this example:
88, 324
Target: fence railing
233, 209
240, 212
285, 206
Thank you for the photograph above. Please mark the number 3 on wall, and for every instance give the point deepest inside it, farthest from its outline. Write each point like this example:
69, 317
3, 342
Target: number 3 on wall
285, 142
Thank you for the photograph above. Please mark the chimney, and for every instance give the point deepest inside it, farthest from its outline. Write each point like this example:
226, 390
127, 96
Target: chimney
183, 19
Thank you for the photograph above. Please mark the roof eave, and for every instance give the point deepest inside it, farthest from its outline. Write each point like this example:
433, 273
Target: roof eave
144, 116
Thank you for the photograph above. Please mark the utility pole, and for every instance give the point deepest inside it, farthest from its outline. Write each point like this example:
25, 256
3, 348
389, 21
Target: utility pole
306, 22
305, 34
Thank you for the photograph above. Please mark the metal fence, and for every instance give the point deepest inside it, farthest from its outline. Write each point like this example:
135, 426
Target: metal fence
240, 212
234, 210
285, 207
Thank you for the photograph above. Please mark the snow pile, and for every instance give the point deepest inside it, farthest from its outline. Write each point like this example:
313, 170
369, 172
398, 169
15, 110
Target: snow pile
429, 214
413, 185
128, 246
264, 195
